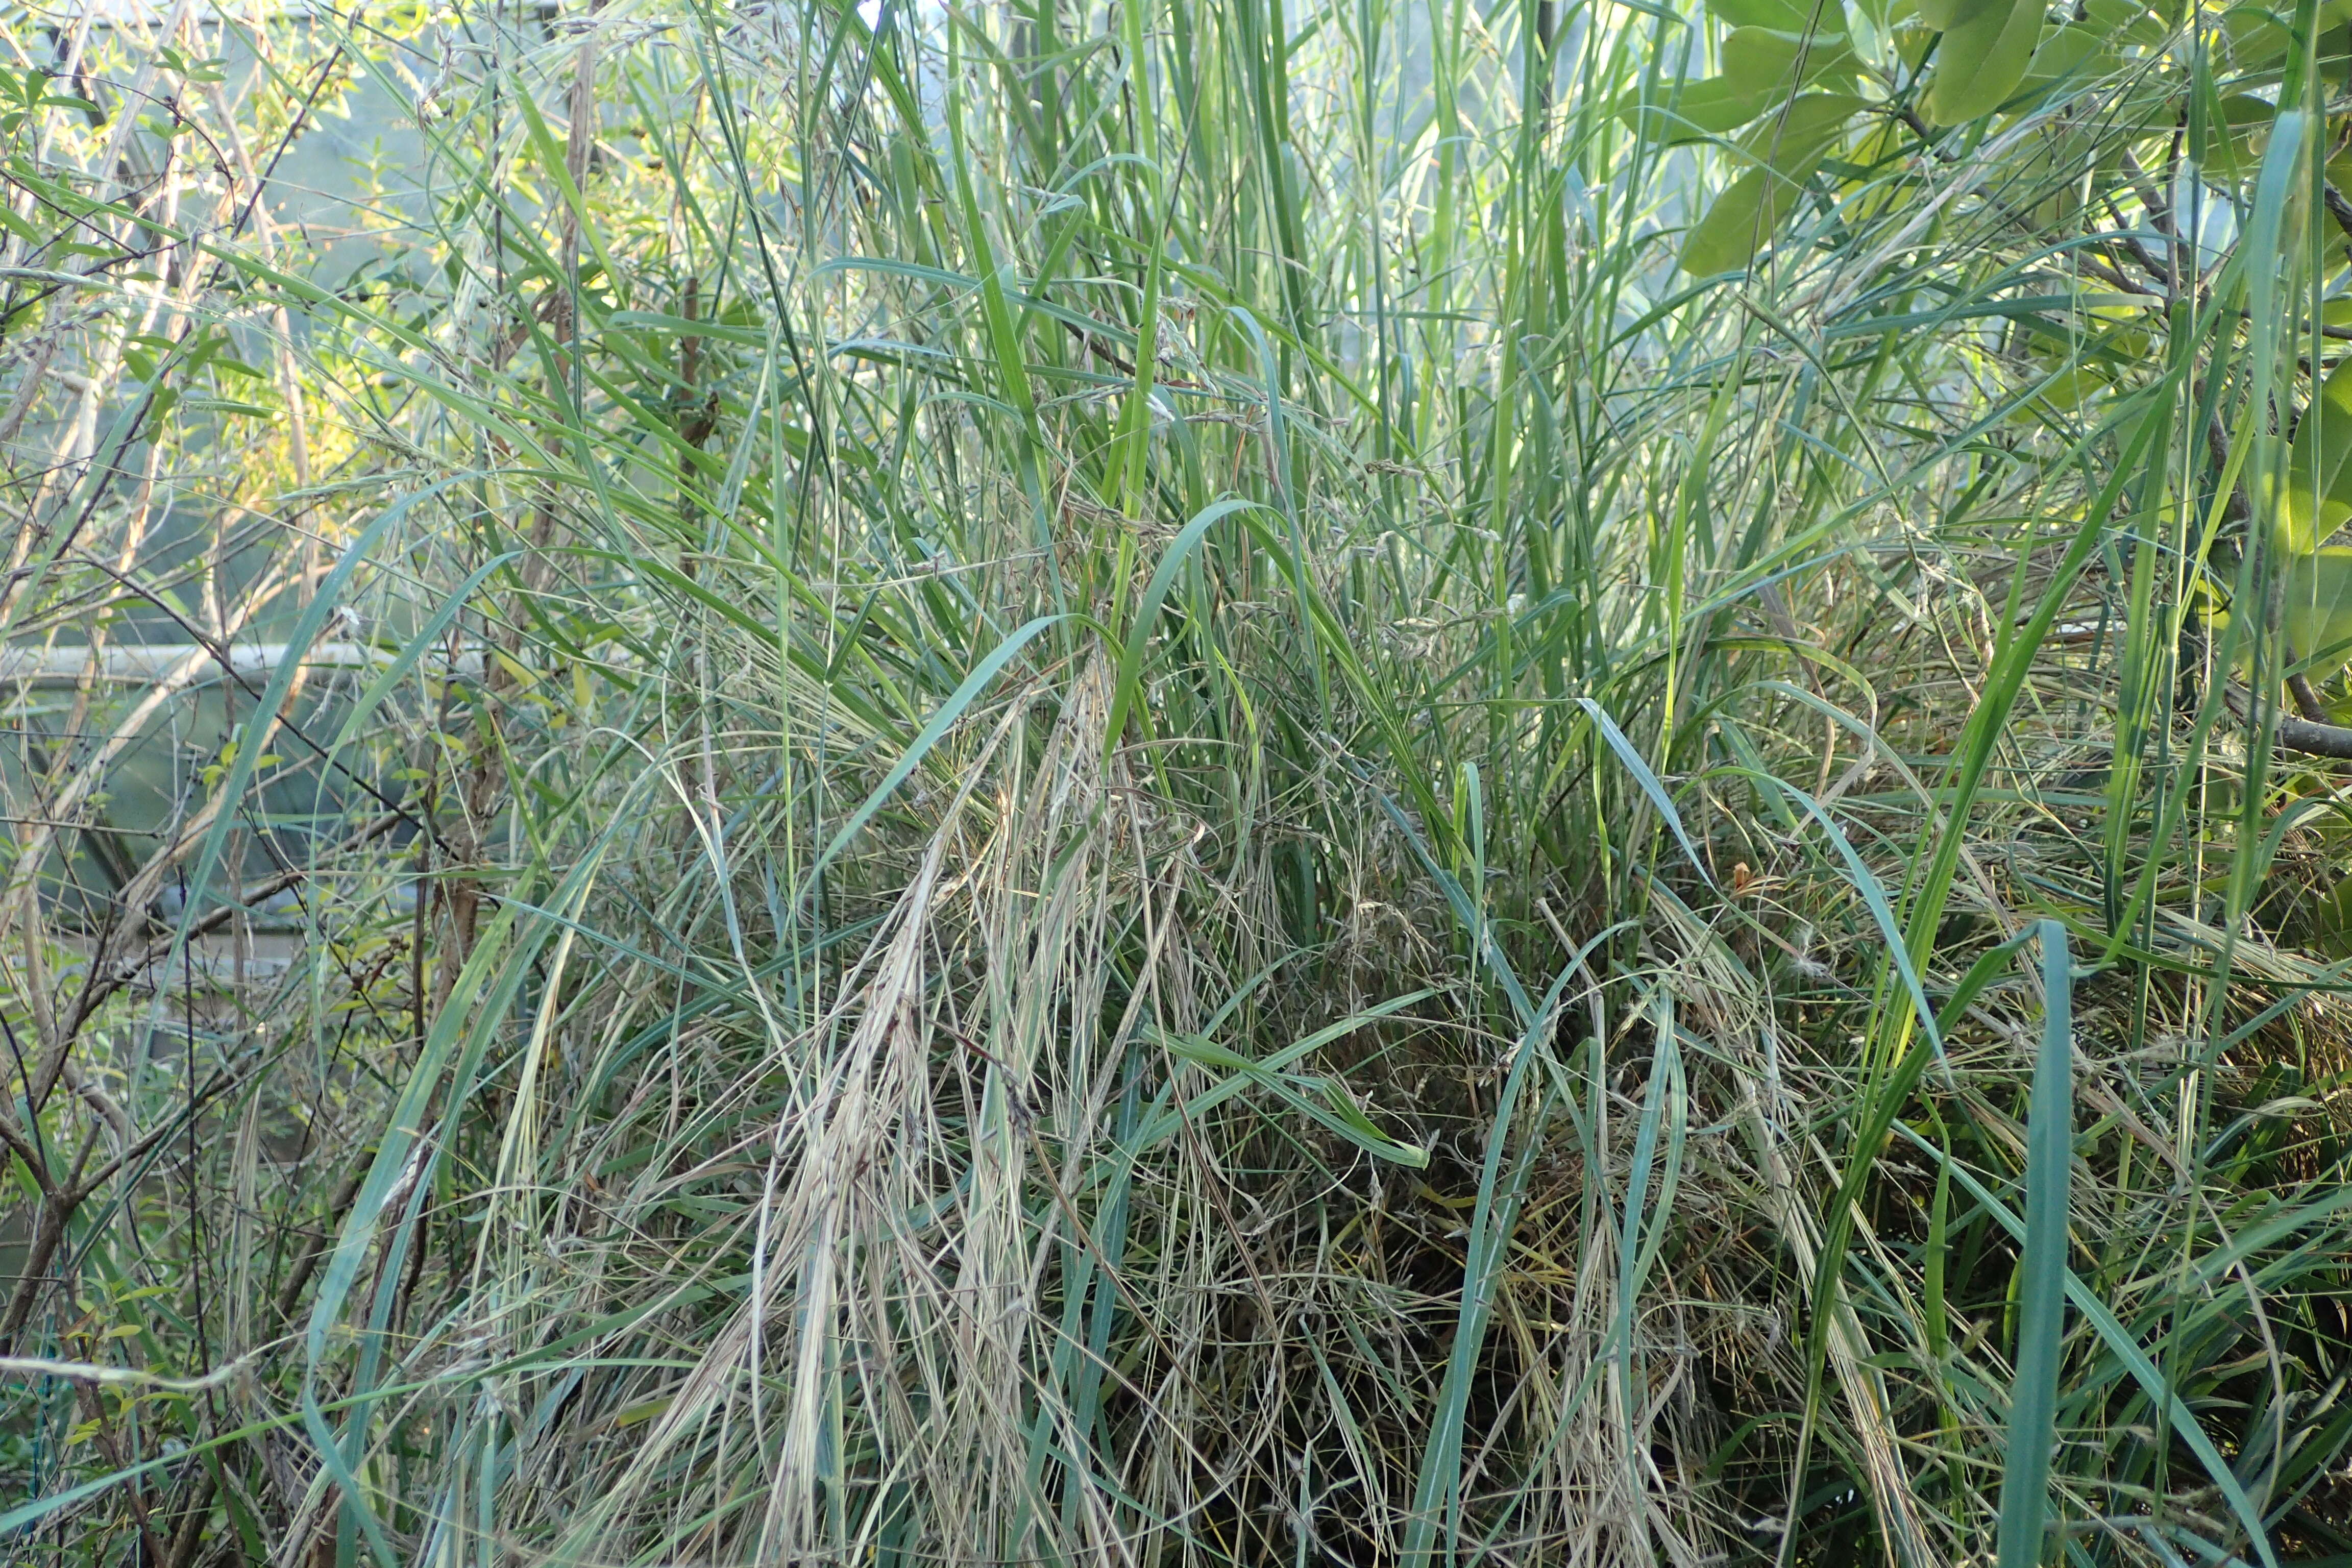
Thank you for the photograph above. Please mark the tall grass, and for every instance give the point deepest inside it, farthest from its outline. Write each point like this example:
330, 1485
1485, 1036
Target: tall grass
1117, 791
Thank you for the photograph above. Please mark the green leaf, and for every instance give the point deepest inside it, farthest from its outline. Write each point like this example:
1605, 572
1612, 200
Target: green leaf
1762, 66
2073, 54
1322, 1099
2253, 38
1147, 611
2317, 609
1782, 15
1787, 148
938, 725
1493, 1218
1703, 109
2123, 22
1764, 62
1166, 1123
2120, 1343
2237, 131
2318, 498
426, 639
1802, 135
1980, 62
1737, 224
1628, 754
1943, 15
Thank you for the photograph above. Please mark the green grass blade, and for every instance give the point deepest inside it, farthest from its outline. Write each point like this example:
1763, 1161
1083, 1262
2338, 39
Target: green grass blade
2040, 1318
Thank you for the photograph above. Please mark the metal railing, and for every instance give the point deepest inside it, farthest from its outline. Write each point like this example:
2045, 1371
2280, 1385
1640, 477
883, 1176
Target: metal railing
141, 663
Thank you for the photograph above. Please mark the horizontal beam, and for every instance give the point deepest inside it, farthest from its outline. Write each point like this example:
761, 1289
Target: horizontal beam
141, 664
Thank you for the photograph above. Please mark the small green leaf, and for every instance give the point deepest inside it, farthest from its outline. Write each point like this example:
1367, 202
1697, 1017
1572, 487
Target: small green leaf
1979, 63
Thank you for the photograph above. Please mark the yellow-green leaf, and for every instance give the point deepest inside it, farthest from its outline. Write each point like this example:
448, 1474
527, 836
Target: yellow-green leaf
1980, 62
643, 1411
